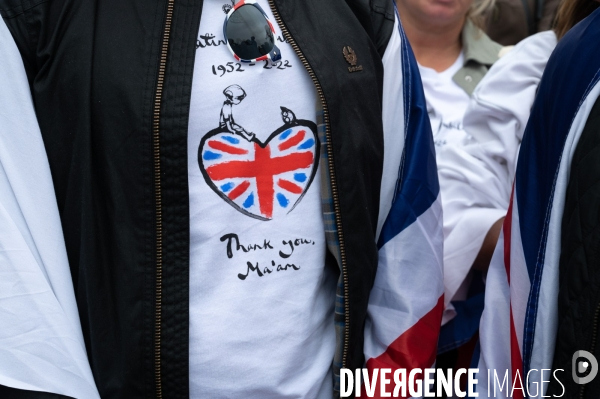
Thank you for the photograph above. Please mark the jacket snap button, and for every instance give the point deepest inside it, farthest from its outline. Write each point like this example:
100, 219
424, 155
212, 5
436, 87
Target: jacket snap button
468, 78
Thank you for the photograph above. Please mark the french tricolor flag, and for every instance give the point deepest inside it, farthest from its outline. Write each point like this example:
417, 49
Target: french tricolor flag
407, 299
519, 323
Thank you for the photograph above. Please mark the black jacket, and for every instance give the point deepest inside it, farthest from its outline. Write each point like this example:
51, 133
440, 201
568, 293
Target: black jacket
111, 83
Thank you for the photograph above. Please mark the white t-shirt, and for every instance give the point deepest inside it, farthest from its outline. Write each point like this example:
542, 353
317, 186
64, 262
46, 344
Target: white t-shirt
261, 299
446, 104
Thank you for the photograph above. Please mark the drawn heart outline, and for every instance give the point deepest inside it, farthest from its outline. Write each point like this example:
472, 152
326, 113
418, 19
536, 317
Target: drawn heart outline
221, 152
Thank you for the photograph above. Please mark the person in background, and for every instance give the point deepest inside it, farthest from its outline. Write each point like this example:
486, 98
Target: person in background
511, 21
477, 179
454, 54
542, 286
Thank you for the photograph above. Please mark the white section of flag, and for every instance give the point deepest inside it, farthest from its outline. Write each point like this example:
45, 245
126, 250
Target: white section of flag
409, 281
495, 322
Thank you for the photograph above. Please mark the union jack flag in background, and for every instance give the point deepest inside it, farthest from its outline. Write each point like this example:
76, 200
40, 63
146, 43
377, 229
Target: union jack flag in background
519, 324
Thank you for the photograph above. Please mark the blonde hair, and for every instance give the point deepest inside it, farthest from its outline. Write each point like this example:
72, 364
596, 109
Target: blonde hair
570, 12
479, 11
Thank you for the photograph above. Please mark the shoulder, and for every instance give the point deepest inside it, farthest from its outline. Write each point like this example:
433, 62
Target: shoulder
377, 17
383, 8
584, 32
521, 67
28, 22
11, 8
478, 47
508, 89
535, 46
480, 53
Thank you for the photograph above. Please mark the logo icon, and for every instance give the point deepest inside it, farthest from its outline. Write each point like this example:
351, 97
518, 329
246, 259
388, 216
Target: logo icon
227, 7
585, 367
352, 59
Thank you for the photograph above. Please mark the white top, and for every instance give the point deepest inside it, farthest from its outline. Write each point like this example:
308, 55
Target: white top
261, 300
446, 104
476, 180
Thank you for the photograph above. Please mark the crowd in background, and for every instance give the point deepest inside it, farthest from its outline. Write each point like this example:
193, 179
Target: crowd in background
481, 62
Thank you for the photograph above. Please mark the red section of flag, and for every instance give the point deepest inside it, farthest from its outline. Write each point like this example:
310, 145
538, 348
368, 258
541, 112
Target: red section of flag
292, 141
516, 362
218, 145
238, 5
415, 348
289, 186
239, 190
264, 180
263, 168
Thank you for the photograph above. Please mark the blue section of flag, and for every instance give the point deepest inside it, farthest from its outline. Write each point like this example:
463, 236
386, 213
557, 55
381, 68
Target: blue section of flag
255, 161
209, 155
418, 185
307, 144
463, 327
300, 177
285, 134
556, 104
231, 139
226, 187
283, 201
249, 201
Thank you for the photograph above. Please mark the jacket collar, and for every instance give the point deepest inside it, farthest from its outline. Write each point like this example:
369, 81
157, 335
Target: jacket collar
477, 46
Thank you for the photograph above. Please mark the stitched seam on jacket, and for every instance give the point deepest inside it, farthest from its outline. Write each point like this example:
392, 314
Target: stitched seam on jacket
10, 13
382, 11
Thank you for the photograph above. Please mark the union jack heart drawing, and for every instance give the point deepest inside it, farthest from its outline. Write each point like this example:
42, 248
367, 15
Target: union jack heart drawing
261, 180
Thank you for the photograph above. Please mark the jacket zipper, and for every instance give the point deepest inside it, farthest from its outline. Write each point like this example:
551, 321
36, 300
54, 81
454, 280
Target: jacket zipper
594, 337
158, 197
334, 190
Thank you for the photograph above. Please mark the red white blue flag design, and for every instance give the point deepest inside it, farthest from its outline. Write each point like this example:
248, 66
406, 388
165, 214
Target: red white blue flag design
261, 180
407, 299
519, 324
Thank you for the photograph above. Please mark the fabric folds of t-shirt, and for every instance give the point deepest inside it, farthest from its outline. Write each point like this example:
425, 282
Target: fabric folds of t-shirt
261, 300
446, 104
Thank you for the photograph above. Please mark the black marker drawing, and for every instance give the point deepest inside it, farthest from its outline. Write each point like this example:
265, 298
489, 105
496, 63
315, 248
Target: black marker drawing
234, 95
288, 116
228, 7
262, 180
